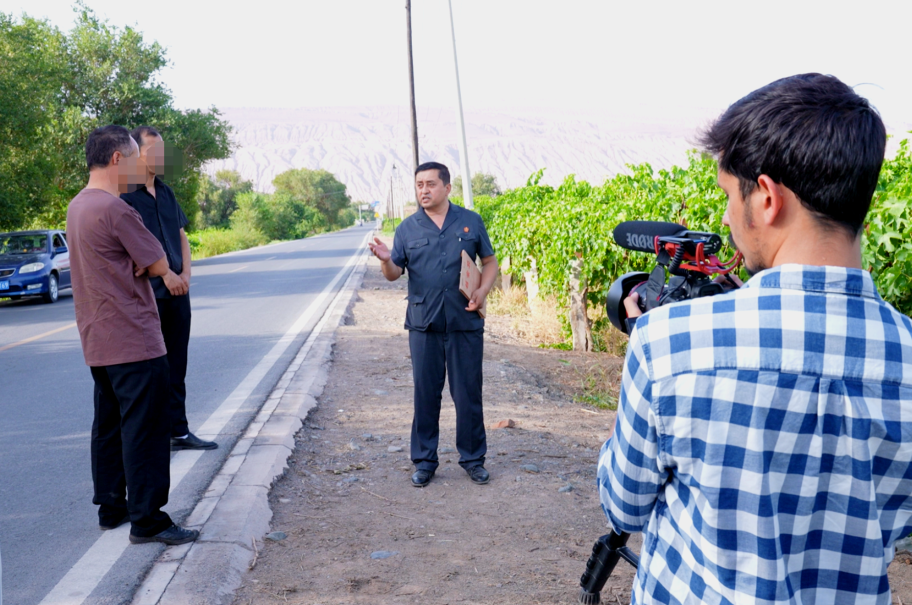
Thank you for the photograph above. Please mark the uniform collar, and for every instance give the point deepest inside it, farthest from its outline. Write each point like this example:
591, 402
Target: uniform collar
835, 280
158, 183
451, 216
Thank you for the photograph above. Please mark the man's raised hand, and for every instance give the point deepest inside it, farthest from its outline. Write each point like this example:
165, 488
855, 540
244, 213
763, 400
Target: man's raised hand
379, 249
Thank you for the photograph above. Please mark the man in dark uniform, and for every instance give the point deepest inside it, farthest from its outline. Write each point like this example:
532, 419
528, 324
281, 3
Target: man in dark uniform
445, 335
162, 215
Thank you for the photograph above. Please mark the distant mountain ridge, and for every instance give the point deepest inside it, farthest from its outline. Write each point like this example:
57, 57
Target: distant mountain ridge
360, 145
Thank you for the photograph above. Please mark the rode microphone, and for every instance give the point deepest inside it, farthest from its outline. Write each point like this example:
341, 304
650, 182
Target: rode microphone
640, 235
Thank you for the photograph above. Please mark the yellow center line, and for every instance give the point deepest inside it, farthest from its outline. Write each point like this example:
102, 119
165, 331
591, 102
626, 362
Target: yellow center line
39, 337
238, 269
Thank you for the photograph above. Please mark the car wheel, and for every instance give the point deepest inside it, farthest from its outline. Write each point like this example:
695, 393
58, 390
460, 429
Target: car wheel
51, 295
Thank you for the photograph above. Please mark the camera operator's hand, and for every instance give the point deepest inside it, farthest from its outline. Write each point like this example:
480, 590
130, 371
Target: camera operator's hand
631, 306
729, 281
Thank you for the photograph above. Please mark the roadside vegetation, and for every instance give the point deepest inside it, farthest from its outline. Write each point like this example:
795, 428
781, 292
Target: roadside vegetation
56, 87
235, 217
539, 231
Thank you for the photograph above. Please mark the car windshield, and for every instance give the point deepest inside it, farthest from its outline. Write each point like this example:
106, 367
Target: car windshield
22, 244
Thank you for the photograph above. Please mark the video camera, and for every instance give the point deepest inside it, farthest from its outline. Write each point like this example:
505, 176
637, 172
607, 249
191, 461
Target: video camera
689, 256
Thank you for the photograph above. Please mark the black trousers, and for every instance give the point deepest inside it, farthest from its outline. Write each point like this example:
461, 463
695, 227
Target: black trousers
131, 449
434, 354
174, 313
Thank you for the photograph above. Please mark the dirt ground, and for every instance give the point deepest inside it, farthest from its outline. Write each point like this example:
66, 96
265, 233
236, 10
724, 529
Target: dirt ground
358, 532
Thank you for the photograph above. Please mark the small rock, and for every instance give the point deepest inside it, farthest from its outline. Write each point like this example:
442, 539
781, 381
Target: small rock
525, 407
393, 449
518, 478
380, 392
276, 536
447, 450
504, 424
284, 500
367, 436
350, 480
383, 554
353, 446
567, 488
529, 468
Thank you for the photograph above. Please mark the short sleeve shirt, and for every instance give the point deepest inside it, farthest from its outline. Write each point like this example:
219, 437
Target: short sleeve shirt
115, 311
164, 218
433, 258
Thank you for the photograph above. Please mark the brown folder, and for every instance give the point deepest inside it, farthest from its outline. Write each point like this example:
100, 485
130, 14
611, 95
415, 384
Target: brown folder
469, 280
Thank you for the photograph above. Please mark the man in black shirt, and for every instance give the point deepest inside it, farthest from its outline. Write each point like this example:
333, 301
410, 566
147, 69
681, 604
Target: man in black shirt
162, 215
446, 336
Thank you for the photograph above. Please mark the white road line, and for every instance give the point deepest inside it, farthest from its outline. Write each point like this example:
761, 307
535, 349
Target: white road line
271, 257
84, 576
161, 574
238, 269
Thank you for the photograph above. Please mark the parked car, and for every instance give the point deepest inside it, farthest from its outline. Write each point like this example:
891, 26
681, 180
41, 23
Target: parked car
34, 263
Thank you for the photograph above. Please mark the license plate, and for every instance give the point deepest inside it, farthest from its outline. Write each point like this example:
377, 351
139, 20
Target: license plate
4, 285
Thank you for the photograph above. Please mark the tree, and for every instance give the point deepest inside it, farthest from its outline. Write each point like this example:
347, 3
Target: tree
56, 88
278, 216
217, 197
318, 189
31, 74
482, 184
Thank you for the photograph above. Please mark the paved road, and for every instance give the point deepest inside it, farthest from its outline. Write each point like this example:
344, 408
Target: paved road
243, 304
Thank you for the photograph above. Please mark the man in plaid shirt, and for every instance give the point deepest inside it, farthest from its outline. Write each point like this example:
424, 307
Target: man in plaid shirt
764, 436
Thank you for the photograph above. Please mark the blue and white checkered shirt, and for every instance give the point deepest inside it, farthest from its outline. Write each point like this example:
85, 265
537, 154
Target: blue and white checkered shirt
764, 443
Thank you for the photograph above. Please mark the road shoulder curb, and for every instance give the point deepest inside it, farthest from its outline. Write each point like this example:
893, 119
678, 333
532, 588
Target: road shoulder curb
233, 515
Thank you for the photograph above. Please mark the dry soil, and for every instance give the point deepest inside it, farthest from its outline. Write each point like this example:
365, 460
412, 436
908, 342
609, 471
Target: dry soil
358, 532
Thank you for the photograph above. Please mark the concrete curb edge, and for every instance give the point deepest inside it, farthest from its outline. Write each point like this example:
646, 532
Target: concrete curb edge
234, 515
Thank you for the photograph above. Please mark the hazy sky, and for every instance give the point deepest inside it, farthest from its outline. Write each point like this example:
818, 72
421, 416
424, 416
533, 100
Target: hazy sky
613, 57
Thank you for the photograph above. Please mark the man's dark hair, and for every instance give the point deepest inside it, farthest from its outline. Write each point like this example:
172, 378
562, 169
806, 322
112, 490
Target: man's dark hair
442, 171
143, 131
102, 144
810, 133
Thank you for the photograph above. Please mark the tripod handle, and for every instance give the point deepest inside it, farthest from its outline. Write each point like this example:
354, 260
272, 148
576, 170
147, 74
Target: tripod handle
607, 551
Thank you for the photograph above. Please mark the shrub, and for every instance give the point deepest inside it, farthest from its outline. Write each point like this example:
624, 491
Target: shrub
212, 242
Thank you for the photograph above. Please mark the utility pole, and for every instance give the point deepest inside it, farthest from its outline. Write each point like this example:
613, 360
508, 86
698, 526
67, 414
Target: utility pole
464, 151
414, 113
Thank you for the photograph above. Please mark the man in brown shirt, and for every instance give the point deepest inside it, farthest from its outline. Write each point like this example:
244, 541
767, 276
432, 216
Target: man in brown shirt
111, 255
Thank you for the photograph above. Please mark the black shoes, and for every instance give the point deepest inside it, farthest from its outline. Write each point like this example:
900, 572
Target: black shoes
478, 475
191, 442
422, 477
172, 536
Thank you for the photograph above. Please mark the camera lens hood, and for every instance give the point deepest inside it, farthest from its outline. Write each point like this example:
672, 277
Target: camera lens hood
619, 290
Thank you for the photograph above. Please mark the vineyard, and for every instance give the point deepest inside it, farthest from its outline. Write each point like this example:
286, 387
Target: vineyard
544, 233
